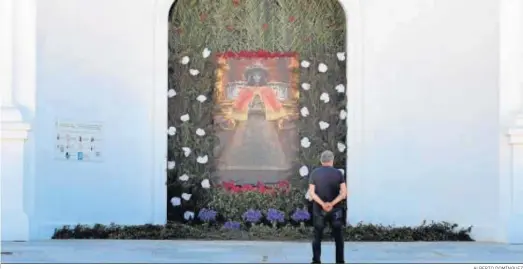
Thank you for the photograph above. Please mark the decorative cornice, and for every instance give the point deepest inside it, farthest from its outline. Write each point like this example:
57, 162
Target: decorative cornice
516, 132
14, 130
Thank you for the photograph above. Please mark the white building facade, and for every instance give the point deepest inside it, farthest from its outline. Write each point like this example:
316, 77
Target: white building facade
435, 113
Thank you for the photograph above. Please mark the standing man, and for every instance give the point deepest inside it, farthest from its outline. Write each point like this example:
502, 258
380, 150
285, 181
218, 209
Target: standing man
327, 189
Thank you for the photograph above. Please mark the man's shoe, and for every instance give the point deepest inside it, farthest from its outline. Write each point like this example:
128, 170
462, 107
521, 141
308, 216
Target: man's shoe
314, 262
342, 262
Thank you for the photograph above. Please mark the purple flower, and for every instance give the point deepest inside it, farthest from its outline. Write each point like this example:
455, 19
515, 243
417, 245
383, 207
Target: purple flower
207, 215
301, 215
252, 216
231, 225
274, 215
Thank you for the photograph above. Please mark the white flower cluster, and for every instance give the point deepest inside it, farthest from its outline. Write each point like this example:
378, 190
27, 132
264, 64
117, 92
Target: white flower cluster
205, 183
305, 142
185, 61
325, 98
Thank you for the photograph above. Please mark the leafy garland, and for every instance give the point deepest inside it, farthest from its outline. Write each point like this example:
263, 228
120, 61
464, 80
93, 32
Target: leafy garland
192, 68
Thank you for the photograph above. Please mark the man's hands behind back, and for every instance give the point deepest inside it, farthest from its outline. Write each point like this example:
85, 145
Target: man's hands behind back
327, 207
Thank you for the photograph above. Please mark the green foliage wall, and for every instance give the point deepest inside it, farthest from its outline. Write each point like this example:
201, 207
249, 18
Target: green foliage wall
315, 29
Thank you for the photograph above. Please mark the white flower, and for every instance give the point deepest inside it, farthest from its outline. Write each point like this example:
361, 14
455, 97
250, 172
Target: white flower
340, 88
202, 160
304, 171
341, 147
184, 177
194, 72
171, 165
200, 132
186, 151
171, 130
186, 196
206, 53
324, 125
322, 68
341, 56
343, 114
201, 98
304, 111
305, 142
206, 184
306, 86
305, 64
185, 60
188, 215
171, 93
176, 201
184, 117
308, 196
342, 171
325, 97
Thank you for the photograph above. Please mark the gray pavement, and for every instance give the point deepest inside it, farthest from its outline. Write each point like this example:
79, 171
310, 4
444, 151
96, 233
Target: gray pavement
145, 251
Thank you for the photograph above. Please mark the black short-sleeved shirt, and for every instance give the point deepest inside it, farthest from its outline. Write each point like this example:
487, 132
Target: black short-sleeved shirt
327, 182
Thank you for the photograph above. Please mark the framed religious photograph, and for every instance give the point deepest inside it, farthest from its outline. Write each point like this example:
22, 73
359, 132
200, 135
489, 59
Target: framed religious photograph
256, 106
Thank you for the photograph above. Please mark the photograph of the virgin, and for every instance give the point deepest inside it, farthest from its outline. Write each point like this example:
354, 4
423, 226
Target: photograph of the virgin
256, 107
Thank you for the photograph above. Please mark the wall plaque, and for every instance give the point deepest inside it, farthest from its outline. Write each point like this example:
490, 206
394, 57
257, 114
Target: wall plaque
78, 141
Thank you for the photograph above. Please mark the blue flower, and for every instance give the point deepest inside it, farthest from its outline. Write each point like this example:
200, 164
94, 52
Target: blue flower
231, 225
207, 215
252, 216
301, 215
274, 215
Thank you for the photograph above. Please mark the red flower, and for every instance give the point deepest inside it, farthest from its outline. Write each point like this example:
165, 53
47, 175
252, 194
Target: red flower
203, 17
235, 189
284, 182
262, 189
236, 2
283, 185
292, 19
230, 28
257, 54
247, 187
179, 30
265, 26
270, 190
228, 185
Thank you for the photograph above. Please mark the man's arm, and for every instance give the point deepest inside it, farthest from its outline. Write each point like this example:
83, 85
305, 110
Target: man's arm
341, 196
312, 194
343, 191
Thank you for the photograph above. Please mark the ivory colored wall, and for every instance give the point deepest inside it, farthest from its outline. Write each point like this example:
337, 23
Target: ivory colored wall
424, 123
430, 127
95, 61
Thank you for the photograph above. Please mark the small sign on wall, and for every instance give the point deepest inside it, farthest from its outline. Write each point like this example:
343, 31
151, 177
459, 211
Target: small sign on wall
78, 141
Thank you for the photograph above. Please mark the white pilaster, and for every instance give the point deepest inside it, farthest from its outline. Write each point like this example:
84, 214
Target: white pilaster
9, 113
510, 103
15, 223
24, 53
515, 232
17, 63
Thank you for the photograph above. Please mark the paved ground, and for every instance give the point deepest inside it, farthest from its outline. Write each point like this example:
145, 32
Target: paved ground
120, 251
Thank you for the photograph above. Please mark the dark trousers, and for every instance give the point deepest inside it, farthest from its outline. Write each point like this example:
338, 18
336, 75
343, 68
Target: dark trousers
335, 218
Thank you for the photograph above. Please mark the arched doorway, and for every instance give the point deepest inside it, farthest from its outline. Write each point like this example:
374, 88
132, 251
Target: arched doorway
256, 92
